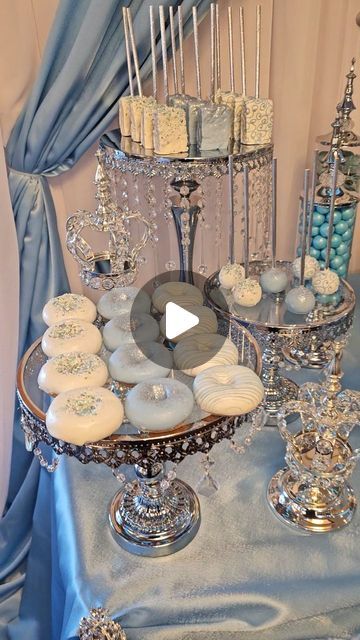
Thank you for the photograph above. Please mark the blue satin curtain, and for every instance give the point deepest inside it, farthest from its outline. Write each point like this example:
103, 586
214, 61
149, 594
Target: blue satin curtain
73, 101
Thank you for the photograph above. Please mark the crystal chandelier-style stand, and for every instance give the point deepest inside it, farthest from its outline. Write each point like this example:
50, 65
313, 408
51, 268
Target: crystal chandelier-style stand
118, 263
313, 493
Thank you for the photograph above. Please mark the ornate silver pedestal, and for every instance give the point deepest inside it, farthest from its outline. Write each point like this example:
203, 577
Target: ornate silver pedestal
282, 334
182, 179
313, 492
153, 516
156, 514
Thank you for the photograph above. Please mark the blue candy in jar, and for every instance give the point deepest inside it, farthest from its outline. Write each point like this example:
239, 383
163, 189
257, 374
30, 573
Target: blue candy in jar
315, 253
348, 214
347, 235
341, 227
323, 253
324, 229
342, 271
336, 262
342, 249
318, 219
315, 231
319, 242
336, 240
322, 209
337, 216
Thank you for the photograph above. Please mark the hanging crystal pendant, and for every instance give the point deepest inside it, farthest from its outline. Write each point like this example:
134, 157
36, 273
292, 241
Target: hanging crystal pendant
118, 263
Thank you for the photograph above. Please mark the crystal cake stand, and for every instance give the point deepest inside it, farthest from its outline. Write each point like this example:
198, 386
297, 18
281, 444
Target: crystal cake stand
282, 334
183, 175
156, 514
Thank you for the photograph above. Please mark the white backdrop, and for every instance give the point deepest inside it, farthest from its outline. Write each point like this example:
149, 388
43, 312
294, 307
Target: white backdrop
306, 51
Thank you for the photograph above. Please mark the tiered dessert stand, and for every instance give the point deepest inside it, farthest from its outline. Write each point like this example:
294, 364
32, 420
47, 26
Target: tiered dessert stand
156, 514
184, 176
284, 335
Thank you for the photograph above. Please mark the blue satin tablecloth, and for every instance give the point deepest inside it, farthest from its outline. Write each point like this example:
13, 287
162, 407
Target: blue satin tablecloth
245, 575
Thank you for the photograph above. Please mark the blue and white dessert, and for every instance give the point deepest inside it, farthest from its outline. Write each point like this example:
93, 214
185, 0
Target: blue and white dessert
326, 282
274, 280
300, 300
311, 267
214, 127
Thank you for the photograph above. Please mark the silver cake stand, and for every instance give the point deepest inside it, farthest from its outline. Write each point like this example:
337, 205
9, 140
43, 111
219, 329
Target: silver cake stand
283, 335
183, 175
156, 514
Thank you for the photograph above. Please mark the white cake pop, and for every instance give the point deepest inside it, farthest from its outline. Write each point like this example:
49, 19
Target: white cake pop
231, 274
311, 267
326, 282
274, 280
247, 293
300, 300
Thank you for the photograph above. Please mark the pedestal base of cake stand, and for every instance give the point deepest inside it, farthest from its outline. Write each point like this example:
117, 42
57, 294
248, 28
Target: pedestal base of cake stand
153, 516
313, 355
309, 507
278, 389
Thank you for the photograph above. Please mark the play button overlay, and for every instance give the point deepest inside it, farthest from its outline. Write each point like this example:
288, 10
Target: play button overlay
184, 315
178, 320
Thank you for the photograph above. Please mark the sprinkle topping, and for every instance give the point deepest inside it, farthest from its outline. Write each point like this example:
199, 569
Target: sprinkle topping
85, 404
77, 363
68, 302
66, 330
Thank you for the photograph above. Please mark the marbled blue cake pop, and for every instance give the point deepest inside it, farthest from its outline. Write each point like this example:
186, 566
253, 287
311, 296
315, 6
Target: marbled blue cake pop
274, 280
300, 300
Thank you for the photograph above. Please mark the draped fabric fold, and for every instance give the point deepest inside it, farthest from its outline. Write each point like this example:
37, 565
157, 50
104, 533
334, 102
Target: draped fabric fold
74, 99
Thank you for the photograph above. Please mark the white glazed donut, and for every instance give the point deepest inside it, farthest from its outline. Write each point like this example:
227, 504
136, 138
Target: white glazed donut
159, 404
228, 390
68, 306
197, 353
70, 336
84, 415
311, 267
181, 293
131, 364
128, 328
326, 282
72, 371
231, 274
247, 293
207, 322
121, 299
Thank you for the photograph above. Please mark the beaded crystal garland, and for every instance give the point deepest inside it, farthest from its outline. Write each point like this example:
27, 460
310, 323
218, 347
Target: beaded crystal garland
99, 626
121, 259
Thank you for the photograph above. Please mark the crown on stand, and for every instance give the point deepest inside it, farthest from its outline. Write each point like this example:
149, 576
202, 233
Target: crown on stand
118, 263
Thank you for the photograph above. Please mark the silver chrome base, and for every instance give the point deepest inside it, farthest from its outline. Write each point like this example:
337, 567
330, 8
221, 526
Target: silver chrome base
310, 508
154, 517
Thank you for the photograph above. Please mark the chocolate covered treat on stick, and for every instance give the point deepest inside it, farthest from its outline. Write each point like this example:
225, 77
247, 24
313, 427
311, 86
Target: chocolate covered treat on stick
257, 114
124, 102
170, 134
231, 98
